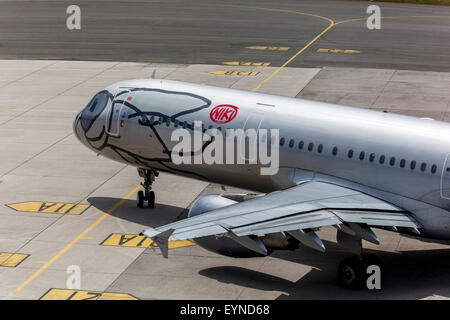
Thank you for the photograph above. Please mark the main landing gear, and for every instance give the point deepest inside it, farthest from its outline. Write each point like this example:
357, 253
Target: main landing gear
147, 195
352, 271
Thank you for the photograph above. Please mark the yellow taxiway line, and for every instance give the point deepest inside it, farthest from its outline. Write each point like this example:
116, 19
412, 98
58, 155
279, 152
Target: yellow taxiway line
78, 238
332, 24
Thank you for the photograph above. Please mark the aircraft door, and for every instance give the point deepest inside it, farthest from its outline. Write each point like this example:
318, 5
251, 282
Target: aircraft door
445, 179
253, 121
115, 115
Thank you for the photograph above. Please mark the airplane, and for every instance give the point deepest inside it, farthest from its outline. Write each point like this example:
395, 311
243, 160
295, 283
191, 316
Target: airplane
350, 168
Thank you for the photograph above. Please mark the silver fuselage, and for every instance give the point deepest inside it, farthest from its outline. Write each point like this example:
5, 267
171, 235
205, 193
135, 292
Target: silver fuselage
339, 144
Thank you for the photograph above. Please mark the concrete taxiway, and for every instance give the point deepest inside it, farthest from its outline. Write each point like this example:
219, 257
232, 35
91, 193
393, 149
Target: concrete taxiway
62, 208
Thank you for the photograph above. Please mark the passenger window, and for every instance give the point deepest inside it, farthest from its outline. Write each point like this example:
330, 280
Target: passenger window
402, 163
167, 122
392, 161
282, 142
310, 146
423, 166
372, 157
300, 145
335, 151
291, 143
382, 159
320, 148
433, 169
362, 155
350, 153
413, 165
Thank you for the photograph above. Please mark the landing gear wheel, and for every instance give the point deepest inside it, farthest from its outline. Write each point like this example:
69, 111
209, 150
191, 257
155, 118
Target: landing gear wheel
351, 273
140, 199
151, 199
147, 195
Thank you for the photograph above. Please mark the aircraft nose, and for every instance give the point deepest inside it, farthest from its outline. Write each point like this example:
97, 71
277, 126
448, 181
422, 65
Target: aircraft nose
75, 126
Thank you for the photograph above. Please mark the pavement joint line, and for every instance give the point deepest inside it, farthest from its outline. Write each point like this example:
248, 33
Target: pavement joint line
36, 155
74, 241
59, 94
251, 279
240, 78
29, 74
384, 87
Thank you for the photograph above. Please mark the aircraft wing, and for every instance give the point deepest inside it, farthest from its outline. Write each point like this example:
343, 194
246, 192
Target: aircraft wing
297, 211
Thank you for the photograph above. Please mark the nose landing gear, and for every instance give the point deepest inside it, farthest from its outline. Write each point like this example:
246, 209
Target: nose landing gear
147, 195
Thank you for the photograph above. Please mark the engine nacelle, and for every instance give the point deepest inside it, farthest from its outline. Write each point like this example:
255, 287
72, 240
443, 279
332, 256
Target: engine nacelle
226, 246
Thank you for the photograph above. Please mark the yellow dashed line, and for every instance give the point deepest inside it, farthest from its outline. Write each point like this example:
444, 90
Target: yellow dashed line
268, 48
235, 73
338, 51
247, 63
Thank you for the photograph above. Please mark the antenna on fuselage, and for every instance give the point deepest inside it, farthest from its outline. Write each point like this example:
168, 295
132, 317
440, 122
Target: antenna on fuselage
153, 74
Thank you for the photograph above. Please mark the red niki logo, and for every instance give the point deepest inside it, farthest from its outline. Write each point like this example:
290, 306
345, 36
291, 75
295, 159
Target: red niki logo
223, 113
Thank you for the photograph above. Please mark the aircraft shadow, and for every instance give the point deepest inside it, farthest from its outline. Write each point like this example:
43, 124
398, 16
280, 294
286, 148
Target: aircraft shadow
128, 211
407, 274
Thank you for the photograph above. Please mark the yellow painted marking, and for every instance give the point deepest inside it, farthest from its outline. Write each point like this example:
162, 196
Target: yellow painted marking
11, 259
74, 241
235, 73
67, 294
338, 51
247, 63
133, 240
268, 48
295, 55
49, 207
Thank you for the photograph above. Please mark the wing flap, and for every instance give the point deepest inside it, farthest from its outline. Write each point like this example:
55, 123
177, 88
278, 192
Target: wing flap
298, 210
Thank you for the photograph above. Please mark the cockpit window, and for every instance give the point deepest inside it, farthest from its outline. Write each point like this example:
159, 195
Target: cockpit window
93, 109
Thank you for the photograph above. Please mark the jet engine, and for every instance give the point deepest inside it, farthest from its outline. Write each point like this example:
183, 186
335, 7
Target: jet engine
226, 246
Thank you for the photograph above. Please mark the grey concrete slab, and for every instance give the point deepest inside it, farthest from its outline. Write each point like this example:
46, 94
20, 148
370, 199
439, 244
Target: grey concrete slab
29, 226
96, 281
